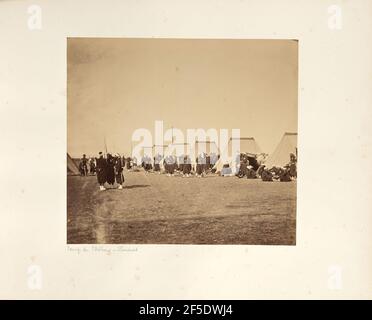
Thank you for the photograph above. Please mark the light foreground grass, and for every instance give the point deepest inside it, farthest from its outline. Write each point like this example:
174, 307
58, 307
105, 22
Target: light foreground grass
156, 209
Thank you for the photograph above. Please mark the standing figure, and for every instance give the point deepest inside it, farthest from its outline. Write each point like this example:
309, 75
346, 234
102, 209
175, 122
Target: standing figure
293, 166
134, 163
181, 162
200, 165
83, 166
92, 166
207, 162
118, 167
213, 159
128, 161
101, 171
174, 164
157, 160
243, 168
170, 165
147, 163
186, 168
110, 172
260, 169
292, 157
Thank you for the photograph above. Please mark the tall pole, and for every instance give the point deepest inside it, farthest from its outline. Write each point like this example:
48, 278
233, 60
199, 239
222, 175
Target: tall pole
104, 141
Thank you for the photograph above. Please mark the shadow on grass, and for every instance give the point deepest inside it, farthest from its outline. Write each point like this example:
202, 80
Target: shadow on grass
136, 186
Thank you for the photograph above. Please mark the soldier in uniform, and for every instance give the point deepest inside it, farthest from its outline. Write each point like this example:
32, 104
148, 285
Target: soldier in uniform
293, 166
186, 170
181, 162
166, 166
207, 163
276, 172
251, 174
128, 162
146, 163
118, 167
110, 171
169, 165
243, 168
83, 165
200, 165
92, 166
157, 160
260, 170
101, 171
266, 175
292, 157
134, 163
213, 159
172, 163
123, 163
285, 175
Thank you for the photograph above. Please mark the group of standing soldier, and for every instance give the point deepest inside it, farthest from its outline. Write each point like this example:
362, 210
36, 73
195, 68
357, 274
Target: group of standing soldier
87, 166
109, 169
182, 164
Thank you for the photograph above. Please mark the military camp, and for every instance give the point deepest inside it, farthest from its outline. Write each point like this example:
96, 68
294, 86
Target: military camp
182, 141
166, 196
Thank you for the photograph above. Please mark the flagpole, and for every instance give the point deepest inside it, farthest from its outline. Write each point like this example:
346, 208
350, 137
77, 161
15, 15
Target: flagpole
105, 145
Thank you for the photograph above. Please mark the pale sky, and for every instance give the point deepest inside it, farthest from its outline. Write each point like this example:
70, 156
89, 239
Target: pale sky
115, 86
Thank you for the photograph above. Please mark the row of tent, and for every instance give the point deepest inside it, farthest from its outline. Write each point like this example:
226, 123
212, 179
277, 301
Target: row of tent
247, 145
280, 156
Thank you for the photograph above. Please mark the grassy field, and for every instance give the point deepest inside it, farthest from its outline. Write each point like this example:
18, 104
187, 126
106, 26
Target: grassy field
157, 209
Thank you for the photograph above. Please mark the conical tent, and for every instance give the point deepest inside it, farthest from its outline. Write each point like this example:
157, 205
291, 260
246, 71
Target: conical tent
242, 145
72, 168
280, 157
220, 163
246, 145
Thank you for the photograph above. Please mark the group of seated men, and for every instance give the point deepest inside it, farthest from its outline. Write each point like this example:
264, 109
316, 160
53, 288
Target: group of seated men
250, 168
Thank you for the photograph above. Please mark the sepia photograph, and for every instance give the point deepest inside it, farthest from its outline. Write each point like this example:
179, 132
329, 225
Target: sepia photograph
181, 141
185, 152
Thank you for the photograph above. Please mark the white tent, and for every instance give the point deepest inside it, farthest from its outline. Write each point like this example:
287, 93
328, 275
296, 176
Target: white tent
241, 145
72, 168
245, 145
220, 163
280, 156
231, 161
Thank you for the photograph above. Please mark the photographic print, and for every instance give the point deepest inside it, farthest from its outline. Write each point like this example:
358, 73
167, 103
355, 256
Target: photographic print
181, 141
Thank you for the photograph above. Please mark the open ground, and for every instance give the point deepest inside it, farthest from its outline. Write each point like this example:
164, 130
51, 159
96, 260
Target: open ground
156, 209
